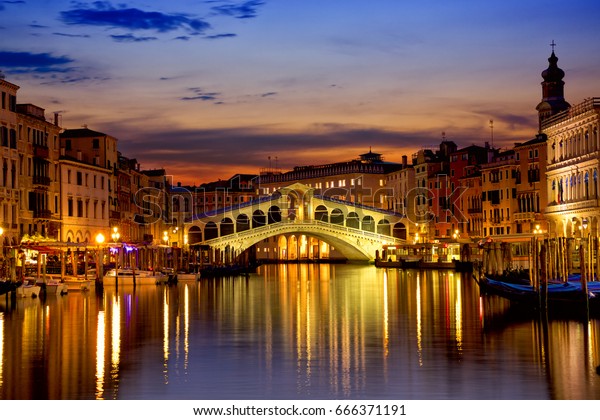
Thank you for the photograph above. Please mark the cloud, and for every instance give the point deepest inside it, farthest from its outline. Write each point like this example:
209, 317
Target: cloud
219, 36
264, 95
70, 35
132, 38
32, 62
245, 10
103, 13
2, 3
200, 95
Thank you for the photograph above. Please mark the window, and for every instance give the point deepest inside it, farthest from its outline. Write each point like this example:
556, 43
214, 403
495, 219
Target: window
70, 207
96, 143
68, 176
79, 178
79, 208
68, 144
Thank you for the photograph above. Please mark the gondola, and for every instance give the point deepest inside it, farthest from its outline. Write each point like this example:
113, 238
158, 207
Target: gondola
560, 296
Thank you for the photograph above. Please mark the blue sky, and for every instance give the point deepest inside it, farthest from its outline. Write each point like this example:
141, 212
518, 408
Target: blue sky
206, 89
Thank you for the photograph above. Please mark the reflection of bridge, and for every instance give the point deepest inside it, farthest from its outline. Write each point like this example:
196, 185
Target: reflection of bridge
293, 214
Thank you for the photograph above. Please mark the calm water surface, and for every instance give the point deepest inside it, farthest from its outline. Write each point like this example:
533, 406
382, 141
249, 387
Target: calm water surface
294, 332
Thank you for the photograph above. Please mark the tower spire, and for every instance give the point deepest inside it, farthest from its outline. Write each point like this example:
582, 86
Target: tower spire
553, 96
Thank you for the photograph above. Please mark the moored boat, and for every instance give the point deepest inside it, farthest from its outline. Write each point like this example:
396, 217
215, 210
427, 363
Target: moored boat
558, 295
127, 276
28, 290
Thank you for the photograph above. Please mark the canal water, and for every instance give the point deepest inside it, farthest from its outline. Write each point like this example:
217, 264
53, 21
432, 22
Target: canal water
294, 332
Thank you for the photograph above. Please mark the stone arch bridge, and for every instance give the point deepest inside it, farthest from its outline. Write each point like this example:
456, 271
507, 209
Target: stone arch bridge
357, 231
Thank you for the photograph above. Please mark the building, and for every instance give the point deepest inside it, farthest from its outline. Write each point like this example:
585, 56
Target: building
499, 192
9, 181
99, 149
361, 181
573, 148
532, 194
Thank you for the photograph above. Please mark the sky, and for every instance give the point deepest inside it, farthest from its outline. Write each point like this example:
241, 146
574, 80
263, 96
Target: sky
207, 89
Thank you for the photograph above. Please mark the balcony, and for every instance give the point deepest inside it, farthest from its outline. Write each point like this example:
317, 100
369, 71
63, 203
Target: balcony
474, 210
42, 214
41, 180
575, 205
496, 220
114, 215
41, 152
524, 216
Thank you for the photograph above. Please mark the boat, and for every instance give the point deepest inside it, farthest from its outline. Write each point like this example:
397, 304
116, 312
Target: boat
76, 284
126, 276
28, 290
55, 288
419, 263
188, 276
557, 295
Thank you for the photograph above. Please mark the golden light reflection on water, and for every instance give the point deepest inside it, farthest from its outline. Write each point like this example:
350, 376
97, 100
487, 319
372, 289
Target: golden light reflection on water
115, 337
165, 337
1, 348
100, 349
319, 332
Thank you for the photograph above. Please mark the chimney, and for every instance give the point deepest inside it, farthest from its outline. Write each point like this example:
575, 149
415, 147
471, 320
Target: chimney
56, 119
404, 160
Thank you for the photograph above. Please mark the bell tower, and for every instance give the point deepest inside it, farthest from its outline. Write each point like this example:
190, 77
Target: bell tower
553, 95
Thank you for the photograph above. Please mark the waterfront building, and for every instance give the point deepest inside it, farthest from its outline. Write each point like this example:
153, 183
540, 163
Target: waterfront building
465, 190
84, 200
360, 181
98, 149
499, 192
9, 181
39, 180
530, 180
573, 148
470, 205
401, 184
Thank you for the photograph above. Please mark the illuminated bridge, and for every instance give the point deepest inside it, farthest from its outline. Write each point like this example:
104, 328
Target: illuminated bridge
305, 225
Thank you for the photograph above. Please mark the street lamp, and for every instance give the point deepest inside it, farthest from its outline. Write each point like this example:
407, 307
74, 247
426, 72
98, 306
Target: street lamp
115, 237
99, 268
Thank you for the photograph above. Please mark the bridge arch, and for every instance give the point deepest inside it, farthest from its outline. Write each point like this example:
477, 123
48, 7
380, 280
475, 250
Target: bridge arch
337, 217
321, 213
368, 224
352, 220
399, 231
211, 231
383, 227
242, 223
227, 227
194, 235
258, 219
274, 214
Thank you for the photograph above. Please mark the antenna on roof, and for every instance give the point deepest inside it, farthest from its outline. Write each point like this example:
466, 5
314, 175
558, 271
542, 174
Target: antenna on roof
492, 132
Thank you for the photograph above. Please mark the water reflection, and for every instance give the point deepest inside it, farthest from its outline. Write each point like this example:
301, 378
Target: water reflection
295, 331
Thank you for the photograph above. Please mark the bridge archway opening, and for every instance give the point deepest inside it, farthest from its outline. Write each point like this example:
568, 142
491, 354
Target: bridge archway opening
194, 235
368, 224
337, 217
258, 219
211, 231
282, 248
321, 213
227, 227
242, 223
399, 231
384, 227
352, 220
274, 215
292, 246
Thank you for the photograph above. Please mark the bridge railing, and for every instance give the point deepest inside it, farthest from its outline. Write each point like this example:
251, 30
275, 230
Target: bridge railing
275, 228
358, 205
224, 210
